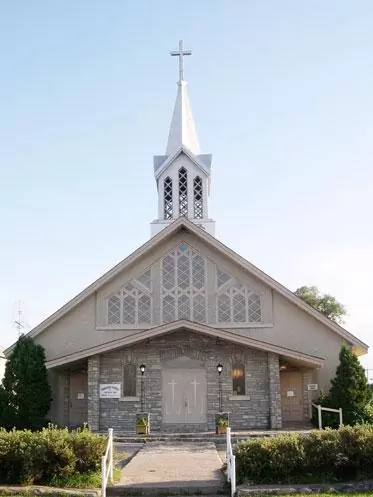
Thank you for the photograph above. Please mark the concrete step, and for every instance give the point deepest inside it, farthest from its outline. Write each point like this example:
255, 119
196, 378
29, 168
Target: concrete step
164, 490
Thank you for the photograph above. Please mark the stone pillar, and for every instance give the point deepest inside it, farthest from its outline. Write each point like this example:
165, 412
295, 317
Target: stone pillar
307, 396
66, 397
274, 392
93, 392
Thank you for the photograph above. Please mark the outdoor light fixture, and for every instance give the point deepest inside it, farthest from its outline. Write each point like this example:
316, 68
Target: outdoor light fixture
219, 368
142, 398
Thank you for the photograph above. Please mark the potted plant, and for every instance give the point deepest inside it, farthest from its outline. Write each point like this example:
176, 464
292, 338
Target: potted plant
142, 424
221, 422
221, 426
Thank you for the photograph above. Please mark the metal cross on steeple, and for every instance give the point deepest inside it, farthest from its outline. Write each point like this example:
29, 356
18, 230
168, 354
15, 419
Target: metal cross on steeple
180, 53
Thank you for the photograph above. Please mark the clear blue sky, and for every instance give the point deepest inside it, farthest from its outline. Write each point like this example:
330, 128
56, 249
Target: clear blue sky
281, 94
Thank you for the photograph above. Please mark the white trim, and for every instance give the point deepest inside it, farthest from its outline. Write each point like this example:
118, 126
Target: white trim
129, 399
239, 397
184, 223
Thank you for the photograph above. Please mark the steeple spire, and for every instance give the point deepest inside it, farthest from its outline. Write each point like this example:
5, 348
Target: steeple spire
182, 129
182, 173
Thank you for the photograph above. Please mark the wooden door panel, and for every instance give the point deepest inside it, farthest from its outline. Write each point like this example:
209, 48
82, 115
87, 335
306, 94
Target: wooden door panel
291, 396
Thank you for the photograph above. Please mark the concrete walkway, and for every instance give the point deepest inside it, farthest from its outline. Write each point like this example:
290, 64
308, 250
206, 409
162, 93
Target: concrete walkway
174, 465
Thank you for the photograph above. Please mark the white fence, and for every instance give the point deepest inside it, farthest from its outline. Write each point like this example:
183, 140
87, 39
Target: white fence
231, 464
107, 464
319, 413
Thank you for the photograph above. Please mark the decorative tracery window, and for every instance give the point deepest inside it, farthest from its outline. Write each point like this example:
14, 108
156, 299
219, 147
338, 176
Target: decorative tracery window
235, 302
238, 379
167, 197
183, 285
198, 198
133, 304
183, 192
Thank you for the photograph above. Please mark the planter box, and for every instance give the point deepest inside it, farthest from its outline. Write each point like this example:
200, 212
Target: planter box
221, 429
142, 423
142, 429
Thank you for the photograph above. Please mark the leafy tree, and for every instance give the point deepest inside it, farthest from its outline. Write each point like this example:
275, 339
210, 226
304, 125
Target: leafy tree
350, 390
326, 304
25, 394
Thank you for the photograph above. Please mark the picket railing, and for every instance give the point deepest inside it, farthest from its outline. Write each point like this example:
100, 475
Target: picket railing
107, 464
319, 413
231, 463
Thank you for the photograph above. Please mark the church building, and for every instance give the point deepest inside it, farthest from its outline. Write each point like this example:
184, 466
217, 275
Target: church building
184, 328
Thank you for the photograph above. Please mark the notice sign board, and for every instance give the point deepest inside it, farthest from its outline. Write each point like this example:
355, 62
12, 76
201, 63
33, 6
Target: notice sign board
313, 386
110, 391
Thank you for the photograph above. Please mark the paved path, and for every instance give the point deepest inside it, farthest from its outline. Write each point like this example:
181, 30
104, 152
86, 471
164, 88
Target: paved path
159, 465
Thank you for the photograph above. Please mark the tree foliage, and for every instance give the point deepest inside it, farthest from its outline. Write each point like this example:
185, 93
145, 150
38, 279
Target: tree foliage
350, 390
25, 393
326, 304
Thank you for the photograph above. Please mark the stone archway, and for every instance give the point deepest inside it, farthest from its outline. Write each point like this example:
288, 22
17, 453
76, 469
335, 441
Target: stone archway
184, 392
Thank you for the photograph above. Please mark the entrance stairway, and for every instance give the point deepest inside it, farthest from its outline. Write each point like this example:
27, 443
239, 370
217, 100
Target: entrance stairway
202, 437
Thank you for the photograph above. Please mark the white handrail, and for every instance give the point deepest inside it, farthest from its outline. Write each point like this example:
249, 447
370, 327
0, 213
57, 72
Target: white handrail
319, 413
107, 466
231, 463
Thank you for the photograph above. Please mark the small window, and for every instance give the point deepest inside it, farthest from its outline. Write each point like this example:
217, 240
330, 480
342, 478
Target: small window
129, 380
238, 379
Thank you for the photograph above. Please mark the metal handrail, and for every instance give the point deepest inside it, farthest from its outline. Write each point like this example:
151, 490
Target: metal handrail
231, 463
319, 412
107, 464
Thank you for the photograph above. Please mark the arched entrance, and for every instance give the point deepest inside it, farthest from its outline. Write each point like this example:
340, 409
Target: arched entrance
184, 397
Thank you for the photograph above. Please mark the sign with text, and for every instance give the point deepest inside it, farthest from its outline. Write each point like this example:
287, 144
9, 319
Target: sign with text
313, 386
110, 391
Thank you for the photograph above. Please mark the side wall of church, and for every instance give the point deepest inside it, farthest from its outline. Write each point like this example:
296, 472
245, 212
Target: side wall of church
254, 410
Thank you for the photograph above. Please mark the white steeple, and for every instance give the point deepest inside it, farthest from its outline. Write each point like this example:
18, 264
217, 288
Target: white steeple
182, 129
183, 174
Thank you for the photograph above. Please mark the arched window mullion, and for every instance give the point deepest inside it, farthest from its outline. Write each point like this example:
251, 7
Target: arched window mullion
197, 198
167, 198
183, 192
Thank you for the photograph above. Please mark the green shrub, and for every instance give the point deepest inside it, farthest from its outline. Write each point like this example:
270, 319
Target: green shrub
327, 455
269, 459
49, 455
88, 449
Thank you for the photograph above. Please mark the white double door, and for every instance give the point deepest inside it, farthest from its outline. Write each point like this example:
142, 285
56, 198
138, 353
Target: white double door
184, 396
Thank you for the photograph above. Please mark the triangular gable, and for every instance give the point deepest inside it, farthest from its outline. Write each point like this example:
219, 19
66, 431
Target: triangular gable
183, 282
184, 224
182, 150
184, 325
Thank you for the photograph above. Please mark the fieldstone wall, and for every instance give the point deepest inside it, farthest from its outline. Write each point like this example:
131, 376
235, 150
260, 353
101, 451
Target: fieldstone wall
274, 392
259, 408
93, 392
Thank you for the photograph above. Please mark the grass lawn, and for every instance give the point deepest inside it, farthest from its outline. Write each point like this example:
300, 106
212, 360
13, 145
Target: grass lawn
321, 494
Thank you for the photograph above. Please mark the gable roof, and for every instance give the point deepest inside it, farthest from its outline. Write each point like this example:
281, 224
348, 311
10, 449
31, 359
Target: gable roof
182, 223
196, 159
184, 325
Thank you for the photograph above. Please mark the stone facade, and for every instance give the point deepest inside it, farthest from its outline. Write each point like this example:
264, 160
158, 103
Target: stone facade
274, 391
93, 392
258, 408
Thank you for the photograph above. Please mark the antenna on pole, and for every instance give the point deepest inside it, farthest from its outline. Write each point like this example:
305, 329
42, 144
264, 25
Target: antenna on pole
18, 322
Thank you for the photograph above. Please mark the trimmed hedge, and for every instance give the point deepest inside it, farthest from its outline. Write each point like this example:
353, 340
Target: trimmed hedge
321, 456
40, 457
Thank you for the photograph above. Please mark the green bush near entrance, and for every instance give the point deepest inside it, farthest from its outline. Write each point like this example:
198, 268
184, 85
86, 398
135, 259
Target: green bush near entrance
321, 456
49, 455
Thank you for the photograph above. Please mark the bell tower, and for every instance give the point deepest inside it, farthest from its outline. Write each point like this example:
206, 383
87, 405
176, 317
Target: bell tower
183, 173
